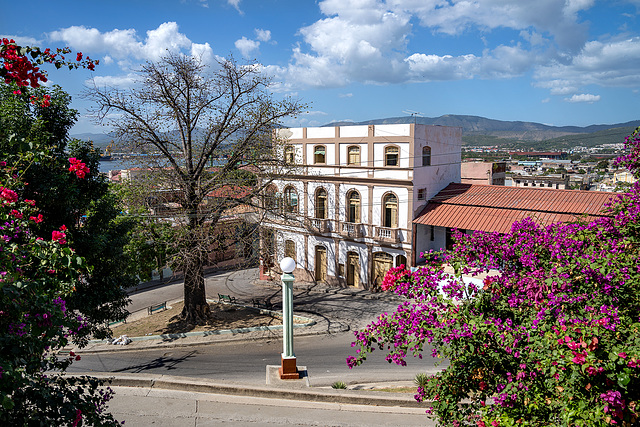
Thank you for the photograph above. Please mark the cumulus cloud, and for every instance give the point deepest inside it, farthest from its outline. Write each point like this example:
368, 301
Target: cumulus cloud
124, 44
369, 41
247, 46
602, 63
263, 35
584, 97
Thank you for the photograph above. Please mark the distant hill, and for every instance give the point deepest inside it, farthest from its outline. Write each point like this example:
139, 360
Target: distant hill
100, 140
483, 131
475, 126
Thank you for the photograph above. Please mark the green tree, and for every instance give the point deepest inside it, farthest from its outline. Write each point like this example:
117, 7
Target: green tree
189, 115
34, 139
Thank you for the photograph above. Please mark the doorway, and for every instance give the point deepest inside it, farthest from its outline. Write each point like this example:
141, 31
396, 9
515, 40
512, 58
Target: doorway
353, 269
321, 264
382, 262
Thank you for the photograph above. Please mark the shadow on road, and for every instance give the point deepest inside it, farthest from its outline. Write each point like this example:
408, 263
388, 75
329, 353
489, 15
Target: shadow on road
169, 363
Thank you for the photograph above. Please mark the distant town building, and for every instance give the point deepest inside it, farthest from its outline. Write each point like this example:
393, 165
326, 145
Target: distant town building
489, 173
558, 155
555, 181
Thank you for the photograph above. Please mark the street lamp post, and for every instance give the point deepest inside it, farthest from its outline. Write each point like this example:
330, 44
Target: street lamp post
288, 369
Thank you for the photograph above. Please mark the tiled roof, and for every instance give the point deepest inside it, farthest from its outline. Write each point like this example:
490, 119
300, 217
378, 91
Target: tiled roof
495, 207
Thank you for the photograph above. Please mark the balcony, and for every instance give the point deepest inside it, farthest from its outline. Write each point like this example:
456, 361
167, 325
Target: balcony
321, 226
352, 230
388, 235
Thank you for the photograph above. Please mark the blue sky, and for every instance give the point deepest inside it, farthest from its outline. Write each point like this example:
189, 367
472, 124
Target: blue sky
560, 62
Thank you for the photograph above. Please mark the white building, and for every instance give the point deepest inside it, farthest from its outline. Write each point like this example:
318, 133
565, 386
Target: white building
349, 211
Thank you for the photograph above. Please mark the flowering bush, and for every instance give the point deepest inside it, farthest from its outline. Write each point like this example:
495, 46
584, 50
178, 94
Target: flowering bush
550, 338
16, 66
36, 276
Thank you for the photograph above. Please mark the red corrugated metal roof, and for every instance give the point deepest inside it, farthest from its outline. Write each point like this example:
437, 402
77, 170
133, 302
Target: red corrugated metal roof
495, 207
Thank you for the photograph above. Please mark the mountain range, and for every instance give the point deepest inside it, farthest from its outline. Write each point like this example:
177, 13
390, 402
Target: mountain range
517, 130
478, 130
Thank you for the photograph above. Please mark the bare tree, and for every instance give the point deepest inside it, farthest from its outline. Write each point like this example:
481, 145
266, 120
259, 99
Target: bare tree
202, 125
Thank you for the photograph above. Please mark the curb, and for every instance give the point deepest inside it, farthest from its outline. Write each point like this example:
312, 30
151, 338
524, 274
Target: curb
169, 382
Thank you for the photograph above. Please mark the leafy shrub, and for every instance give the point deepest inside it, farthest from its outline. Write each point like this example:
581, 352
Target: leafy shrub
550, 338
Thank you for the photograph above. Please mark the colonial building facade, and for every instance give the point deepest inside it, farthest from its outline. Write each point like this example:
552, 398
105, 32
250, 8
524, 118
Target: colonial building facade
346, 214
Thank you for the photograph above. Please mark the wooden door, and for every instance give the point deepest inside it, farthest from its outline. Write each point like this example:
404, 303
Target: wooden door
353, 269
382, 262
321, 264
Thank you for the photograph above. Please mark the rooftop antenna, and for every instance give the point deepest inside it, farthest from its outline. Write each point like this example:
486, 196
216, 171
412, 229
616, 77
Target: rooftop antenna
413, 114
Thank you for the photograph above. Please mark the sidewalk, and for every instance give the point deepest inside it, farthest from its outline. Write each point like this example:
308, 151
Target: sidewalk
145, 400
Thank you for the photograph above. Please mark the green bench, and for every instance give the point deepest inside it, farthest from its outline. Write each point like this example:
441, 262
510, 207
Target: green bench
226, 298
153, 308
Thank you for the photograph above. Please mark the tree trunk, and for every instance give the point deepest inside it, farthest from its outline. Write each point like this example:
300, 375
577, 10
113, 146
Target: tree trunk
196, 310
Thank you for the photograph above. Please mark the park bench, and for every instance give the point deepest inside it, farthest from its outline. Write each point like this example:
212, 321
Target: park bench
259, 303
226, 298
157, 307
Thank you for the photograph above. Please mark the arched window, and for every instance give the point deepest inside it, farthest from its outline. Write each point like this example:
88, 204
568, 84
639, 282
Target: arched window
290, 154
321, 203
290, 249
390, 211
401, 260
353, 206
290, 200
353, 157
319, 154
391, 156
426, 156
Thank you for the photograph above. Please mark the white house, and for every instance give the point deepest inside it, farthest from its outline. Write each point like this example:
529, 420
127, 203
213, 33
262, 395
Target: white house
346, 216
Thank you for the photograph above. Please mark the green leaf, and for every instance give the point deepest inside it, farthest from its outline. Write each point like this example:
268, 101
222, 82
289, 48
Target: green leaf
623, 379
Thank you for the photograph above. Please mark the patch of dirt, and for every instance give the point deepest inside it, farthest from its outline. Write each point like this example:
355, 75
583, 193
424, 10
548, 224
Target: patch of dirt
223, 316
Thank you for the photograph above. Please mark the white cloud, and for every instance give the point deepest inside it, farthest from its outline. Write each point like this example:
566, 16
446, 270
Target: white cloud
124, 44
602, 63
263, 35
584, 97
345, 95
236, 5
21, 41
247, 46
113, 81
204, 52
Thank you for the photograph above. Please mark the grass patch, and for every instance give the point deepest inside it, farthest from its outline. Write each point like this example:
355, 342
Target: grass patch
223, 316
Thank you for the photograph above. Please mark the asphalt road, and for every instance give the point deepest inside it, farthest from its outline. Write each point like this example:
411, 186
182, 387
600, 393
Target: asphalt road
245, 362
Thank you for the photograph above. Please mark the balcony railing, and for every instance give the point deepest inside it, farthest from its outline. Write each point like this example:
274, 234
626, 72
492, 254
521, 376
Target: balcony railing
352, 230
389, 235
321, 226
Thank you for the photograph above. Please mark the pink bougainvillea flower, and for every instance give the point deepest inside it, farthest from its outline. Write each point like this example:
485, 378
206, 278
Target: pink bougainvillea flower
58, 236
78, 167
8, 195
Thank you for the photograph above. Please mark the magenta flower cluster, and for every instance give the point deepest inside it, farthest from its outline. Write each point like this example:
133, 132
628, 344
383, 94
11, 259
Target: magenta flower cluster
552, 337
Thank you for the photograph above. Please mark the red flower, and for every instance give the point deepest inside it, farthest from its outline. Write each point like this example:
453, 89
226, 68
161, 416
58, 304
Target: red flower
78, 167
58, 236
37, 219
79, 56
8, 195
